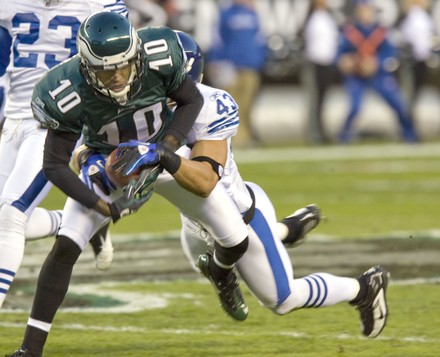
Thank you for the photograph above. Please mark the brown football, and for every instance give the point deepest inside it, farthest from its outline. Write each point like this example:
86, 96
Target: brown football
116, 177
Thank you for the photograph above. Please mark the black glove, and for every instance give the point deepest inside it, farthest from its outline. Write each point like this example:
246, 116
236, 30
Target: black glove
129, 202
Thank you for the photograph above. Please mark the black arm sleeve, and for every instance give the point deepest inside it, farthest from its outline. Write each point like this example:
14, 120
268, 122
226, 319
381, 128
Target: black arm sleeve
189, 103
58, 149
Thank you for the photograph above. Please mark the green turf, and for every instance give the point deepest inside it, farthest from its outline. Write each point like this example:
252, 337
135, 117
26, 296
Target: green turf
194, 325
360, 198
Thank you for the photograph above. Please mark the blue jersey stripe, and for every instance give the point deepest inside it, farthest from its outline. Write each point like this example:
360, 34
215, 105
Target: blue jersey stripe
231, 115
223, 126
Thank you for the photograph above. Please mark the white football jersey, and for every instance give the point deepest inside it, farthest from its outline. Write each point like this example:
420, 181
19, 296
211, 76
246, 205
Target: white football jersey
218, 120
43, 35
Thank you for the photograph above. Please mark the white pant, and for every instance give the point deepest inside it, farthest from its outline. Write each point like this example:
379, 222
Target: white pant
22, 182
266, 267
79, 223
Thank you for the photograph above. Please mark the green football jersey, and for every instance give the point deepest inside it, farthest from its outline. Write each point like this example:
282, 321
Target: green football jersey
63, 100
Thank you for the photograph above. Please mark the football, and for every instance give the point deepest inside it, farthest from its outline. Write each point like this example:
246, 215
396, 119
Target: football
116, 177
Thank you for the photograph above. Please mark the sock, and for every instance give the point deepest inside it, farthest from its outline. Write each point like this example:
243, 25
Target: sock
35, 338
363, 289
43, 223
52, 286
12, 227
218, 270
319, 290
225, 258
282, 230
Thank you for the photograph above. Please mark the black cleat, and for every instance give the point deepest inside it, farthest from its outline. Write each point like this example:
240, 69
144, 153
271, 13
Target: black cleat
21, 352
228, 291
373, 308
300, 223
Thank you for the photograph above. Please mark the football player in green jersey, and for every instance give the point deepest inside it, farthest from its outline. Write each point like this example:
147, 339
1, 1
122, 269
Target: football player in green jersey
114, 90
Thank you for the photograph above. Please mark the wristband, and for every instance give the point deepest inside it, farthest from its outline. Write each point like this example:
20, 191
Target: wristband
168, 159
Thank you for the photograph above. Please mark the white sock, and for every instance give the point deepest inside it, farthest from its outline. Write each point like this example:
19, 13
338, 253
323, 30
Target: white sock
12, 228
319, 290
43, 223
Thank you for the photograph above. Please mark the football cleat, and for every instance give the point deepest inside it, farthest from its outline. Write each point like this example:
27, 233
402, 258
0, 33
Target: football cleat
228, 291
300, 223
373, 308
21, 352
103, 248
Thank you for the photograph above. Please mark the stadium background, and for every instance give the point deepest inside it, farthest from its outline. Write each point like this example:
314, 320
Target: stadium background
282, 21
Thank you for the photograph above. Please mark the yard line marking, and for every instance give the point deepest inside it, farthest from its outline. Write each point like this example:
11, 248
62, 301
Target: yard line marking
133, 302
214, 331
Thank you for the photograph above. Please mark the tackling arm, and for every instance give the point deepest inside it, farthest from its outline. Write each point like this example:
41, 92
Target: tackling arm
200, 175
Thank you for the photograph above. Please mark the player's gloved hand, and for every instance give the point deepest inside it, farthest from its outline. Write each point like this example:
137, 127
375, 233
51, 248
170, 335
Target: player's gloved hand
93, 172
129, 202
135, 154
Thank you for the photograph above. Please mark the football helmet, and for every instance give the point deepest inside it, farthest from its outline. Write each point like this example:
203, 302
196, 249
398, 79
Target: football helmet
107, 42
194, 56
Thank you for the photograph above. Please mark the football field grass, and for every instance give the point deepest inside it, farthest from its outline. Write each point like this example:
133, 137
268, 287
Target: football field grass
371, 191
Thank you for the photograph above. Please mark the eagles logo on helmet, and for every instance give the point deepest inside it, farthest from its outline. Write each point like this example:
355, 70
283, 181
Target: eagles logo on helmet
97, 56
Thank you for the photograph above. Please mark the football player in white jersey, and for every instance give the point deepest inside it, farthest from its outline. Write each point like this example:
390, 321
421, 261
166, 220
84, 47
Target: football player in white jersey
265, 267
42, 35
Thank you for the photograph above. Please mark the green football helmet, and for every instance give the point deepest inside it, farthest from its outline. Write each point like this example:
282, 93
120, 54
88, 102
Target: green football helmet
107, 41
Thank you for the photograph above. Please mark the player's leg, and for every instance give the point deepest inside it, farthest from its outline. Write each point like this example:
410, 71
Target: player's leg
267, 270
388, 88
355, 89
195, 241
76, 229
219, 216
23, 190
43, 223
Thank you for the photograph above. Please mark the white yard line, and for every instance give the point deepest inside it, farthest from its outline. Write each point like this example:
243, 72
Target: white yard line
215, 331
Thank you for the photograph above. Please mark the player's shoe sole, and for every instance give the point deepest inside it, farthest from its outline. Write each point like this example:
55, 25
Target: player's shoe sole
300, 223
373, 308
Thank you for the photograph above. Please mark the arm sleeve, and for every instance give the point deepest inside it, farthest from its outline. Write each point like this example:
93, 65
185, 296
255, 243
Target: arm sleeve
189, 103
57, 152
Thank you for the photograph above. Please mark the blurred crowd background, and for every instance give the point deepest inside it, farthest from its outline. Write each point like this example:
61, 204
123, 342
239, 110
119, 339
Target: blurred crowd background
278, 59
